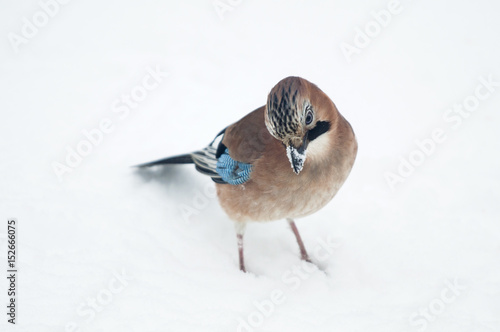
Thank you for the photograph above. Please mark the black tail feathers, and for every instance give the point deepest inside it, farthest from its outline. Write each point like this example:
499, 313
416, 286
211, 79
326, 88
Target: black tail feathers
182, 159
205, 160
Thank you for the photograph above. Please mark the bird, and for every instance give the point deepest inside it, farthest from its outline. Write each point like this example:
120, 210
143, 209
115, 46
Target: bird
284, 160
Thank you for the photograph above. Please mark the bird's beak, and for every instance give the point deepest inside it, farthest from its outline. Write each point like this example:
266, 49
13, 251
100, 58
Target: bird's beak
297, 155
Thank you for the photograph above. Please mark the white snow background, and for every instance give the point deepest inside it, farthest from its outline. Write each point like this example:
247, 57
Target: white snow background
108, 248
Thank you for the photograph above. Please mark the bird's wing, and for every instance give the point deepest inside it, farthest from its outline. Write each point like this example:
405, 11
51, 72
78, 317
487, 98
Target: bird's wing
229, 157
216, 162
244, 142
206, 160
247, 139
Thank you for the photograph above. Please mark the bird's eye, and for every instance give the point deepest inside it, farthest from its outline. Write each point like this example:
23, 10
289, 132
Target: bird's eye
309, 117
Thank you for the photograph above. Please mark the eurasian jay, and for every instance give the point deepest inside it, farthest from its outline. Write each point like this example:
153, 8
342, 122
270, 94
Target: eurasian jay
285, 160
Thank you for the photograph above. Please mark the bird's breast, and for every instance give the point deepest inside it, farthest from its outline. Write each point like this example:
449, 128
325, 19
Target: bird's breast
275, 192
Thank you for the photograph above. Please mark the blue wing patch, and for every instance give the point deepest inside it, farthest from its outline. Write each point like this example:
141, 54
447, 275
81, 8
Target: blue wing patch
232, 171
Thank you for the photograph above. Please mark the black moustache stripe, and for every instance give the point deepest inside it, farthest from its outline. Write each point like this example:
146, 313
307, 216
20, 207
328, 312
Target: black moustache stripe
320, 128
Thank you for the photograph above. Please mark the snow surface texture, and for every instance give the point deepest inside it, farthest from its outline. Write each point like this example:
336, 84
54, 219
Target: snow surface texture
108, 248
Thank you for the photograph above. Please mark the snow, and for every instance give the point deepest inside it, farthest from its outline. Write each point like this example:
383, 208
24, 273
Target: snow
296, 158
107, 248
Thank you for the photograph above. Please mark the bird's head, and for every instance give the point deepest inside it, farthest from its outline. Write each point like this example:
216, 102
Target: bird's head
298, 112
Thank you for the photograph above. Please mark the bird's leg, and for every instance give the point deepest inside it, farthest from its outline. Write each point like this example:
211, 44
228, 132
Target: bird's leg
240, 252
240, 230
303, 253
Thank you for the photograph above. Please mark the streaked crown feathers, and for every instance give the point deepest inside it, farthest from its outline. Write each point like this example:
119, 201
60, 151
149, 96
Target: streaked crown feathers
284, 109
